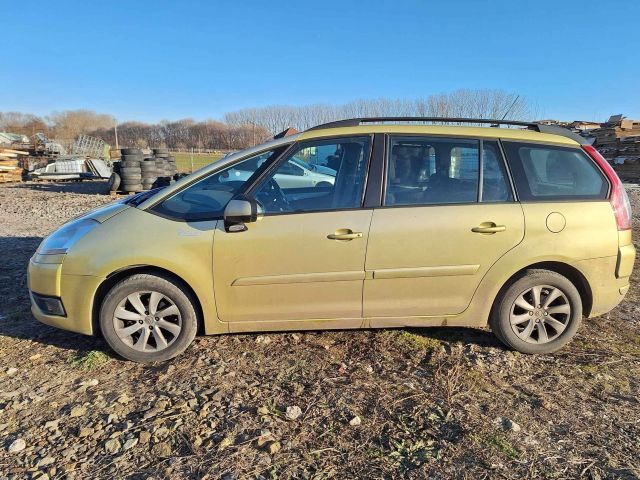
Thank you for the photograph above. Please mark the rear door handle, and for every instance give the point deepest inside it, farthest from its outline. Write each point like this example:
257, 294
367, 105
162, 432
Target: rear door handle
344, 234
488, 227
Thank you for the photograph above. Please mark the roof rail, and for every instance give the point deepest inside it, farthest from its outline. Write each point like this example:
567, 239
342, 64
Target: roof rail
551, 129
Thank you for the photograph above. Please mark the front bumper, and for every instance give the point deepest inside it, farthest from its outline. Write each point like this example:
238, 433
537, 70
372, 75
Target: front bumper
45, 277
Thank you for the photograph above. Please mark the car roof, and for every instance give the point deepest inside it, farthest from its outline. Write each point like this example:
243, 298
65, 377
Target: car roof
517, 134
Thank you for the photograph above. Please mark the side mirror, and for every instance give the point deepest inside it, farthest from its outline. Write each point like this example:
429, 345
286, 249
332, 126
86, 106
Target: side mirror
242, 210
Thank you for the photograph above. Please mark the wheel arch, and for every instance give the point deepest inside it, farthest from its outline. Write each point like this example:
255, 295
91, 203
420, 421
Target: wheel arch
574, 275
122, 273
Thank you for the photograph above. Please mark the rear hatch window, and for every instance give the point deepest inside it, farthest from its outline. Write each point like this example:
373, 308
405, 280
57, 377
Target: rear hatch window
546, 173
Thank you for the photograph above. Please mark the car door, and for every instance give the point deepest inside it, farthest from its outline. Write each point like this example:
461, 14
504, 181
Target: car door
304, 260
448, 216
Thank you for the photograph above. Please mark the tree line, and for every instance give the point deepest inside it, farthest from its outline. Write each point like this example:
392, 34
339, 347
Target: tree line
250, 126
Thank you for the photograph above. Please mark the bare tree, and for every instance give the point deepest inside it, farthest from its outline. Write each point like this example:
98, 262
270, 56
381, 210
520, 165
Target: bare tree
493, 104
22, 123
71, 123
250, 126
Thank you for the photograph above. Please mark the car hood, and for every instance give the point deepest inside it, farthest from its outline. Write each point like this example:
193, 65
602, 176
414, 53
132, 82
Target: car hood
104, 213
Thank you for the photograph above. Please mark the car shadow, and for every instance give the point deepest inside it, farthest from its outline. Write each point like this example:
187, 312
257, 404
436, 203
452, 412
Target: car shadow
460, 335
84, 187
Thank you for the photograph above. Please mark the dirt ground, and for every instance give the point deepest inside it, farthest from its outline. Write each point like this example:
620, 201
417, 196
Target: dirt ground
423, 403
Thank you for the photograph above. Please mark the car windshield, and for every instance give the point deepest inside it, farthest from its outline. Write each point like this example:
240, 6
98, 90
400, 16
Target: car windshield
206, 198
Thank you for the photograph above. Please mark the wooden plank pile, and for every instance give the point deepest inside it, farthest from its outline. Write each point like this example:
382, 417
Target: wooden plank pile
11, 165
619, 140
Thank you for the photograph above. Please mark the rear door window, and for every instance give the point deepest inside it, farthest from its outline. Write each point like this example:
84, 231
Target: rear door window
495, 184
438, 170
547, 173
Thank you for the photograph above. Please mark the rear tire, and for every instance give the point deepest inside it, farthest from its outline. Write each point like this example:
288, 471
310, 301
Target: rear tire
539, 312
132, 329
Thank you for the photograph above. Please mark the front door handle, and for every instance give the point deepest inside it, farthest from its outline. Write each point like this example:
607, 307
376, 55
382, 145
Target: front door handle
488, 227
344, 234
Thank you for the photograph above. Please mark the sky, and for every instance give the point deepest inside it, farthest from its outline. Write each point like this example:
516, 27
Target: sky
151, 60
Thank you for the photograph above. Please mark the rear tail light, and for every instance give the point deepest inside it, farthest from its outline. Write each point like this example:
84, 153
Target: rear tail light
618, 197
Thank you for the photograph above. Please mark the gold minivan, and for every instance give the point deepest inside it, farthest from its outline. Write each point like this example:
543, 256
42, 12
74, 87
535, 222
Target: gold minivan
361, 223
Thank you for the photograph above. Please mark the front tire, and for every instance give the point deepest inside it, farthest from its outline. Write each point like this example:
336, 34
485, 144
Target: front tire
148, 318
539, 312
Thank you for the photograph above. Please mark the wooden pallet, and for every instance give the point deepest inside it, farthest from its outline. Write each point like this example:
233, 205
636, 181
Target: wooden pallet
122, 194
11, 176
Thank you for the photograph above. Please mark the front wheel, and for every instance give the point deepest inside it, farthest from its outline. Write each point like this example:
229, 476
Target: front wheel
539, 312
148, 318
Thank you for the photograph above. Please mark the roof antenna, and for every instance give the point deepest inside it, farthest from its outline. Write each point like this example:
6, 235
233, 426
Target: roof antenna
510, 107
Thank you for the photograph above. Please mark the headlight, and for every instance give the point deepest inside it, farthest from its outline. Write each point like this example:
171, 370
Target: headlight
62, 240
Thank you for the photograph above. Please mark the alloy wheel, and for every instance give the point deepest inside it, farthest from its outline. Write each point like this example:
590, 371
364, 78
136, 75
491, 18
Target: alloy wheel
540, 314
147, 321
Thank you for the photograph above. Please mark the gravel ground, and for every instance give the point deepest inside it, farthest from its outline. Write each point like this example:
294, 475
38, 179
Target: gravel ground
421, 403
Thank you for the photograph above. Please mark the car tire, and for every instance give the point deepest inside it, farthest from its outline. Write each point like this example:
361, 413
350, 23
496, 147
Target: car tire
540, 327
130, 151
133, 158
131, 187
177, 328
129, 164
130, 170
114, 182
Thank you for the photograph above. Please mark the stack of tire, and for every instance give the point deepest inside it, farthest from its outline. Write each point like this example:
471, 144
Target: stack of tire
130, 171
149, 172
165, 166
137, 171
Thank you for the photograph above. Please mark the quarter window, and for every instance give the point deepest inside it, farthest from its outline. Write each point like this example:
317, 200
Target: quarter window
547, 173
317, 175
425, 171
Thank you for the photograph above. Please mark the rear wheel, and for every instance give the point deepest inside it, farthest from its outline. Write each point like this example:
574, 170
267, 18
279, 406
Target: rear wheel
539, 312
148, 318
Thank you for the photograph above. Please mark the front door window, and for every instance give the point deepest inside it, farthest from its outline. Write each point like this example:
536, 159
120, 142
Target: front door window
317, 176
